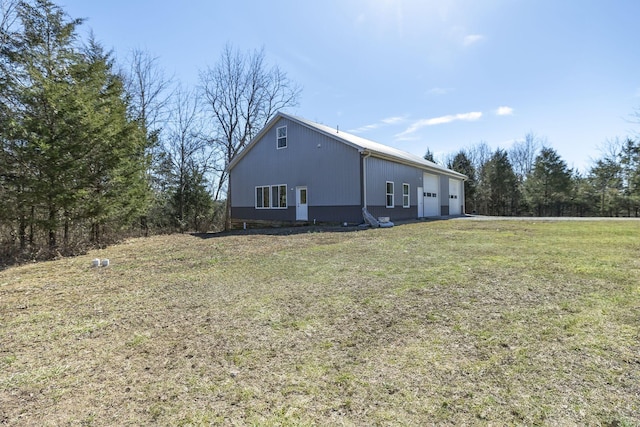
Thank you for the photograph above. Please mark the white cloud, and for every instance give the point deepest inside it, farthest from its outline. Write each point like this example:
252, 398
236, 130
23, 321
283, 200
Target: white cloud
384, 122
504, 111
470, 39
393, 120
363, 129
468, 117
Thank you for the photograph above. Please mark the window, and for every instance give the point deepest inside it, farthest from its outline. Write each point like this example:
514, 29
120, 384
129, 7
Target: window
282, 137
405, 196
278, 196
271, 197
390, 194
262, 197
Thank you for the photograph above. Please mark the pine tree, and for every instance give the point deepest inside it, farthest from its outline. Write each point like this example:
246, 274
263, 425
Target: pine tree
630, 170
462, 163
605, 176
40, 57
429, 156
116, 190
70, 155
548, 186
500, 185
583, 196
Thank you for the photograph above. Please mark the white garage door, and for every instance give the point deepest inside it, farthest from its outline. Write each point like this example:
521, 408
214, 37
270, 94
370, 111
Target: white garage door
431, 196
455, 199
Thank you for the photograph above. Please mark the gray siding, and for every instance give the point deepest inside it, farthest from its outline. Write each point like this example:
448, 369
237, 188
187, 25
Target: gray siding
336, 214
394, 214
249, 213
379, 171
444, 191
332, 172
330, 169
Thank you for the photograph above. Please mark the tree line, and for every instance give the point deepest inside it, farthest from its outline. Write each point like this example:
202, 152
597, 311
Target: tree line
94, 147
531, 179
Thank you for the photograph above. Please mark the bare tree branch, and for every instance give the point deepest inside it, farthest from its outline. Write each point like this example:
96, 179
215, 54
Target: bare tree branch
149, 88
8, 18
523, 154
243, 94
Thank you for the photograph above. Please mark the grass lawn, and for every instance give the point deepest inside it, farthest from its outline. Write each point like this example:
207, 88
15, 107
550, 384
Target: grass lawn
452, 322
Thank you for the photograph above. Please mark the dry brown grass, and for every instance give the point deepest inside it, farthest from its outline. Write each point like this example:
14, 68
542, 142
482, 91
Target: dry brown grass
451, 322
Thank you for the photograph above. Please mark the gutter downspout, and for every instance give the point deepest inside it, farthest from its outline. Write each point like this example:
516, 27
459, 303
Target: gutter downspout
364, 177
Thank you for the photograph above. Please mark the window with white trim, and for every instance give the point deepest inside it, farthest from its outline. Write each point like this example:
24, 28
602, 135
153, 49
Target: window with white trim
263, 197
406, 202
278, 196
281, 137
390, 203
271, 197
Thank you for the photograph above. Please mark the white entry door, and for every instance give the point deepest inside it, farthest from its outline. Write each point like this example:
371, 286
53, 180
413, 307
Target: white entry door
455, 200
420, 200
302, 211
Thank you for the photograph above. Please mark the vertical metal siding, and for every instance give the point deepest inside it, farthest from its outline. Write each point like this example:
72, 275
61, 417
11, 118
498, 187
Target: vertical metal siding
444, 192
330, 169
379, 171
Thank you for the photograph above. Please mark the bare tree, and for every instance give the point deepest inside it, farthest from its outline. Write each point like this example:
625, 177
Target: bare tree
243, 94
8, 22
611, 149
523, 154
8, 17
186, 146
150, 91
480, 155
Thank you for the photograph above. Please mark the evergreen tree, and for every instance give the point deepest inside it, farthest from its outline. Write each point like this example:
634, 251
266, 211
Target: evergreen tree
70, 156
582, 197
500, 185
40, 57
548, 186
429, 156
193, 202
462, 163
115, 187
630, 171
605, 176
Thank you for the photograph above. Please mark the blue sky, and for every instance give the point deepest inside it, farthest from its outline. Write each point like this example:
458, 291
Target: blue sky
414, 74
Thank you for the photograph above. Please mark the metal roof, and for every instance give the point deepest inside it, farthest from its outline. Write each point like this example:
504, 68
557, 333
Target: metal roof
363, 145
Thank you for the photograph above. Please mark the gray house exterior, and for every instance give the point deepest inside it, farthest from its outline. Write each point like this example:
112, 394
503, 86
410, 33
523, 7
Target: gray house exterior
298, 170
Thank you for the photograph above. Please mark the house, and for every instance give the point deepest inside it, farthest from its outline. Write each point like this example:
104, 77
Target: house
298, 170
